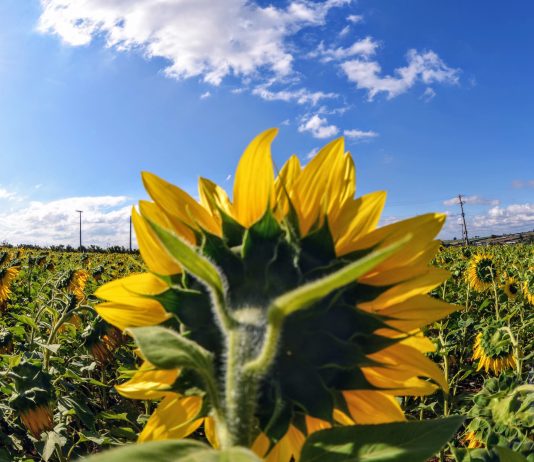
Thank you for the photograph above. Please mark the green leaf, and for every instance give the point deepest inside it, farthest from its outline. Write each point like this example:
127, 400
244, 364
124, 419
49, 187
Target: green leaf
308, 294
174, 451
393, 442
168, 350
507, 455
194, 263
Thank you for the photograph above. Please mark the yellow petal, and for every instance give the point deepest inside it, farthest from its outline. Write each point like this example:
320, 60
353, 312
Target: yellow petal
154, 255
313, 424
288, 447
355, 219
178, 204
416, 312
342, 186
131, 289
209, 430
284, 186
152, 212
125, 316
406, 290
148, 383
398, 382
315, 184
174, 418
407, 359
254, 180
214, 198
261, 445
372, 407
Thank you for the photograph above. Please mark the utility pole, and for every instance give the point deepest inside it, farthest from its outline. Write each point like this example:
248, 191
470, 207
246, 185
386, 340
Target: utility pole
464, 228
130, 232
80, 212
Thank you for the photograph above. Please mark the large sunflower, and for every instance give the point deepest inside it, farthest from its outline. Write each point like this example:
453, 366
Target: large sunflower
482, 272
345, 359
7, 275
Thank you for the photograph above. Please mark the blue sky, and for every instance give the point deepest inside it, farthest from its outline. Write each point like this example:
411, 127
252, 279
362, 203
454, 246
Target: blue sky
434, 99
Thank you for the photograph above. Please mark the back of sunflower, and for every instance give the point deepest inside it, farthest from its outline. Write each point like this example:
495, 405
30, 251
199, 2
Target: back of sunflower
281, 324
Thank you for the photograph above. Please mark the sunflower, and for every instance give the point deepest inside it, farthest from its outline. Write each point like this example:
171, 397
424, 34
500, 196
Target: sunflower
7, 275
31, 397
76, 284
342, 361
528, 287
493, 350
481, 272
511, 288
471, 440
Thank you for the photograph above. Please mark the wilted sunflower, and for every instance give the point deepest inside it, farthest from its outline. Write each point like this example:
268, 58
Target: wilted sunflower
511, 288
341, 361
7, 275
481, 272
493, 349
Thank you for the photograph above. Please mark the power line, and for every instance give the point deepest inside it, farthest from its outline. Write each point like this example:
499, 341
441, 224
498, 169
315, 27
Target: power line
464, 228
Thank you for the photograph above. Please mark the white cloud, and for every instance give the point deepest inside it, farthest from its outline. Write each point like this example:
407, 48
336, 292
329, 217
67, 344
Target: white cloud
497, 220
360, 134
426, 67
318, 127
365, 47
355, 18
312, 153
300, 96
472, 200
6, 194
205, 95
105, 221
211, 39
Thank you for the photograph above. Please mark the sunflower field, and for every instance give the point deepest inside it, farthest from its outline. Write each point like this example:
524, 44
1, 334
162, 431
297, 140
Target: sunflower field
281, 325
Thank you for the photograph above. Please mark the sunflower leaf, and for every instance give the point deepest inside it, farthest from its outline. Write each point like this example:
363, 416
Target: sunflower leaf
310, 293
414, 441
166, 349
174, 451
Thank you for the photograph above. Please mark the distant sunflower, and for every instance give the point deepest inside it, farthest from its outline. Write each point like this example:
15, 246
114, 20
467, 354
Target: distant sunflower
511, 288
481, 272
528, 287
76, 284
471, 440
341, 363
7, 275
493, 350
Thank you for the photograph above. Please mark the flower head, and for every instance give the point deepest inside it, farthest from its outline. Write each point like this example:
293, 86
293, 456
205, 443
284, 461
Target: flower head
7, 275
339, 362
482, 272
511, 288
493, 350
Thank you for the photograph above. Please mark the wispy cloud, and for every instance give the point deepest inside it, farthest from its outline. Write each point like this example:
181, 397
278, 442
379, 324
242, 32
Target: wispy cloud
473, 200
365, 47
426, 67
299, 96
355, 18
355, 134
521, 184
205, 95
318, 127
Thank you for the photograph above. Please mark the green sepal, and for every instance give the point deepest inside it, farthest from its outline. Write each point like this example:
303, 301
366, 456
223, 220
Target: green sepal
310, 293
174, 451
166, 349
232, 231
413, 441
304, 386
317, 248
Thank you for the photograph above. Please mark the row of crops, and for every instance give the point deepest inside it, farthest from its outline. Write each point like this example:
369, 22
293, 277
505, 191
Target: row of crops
60, 362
